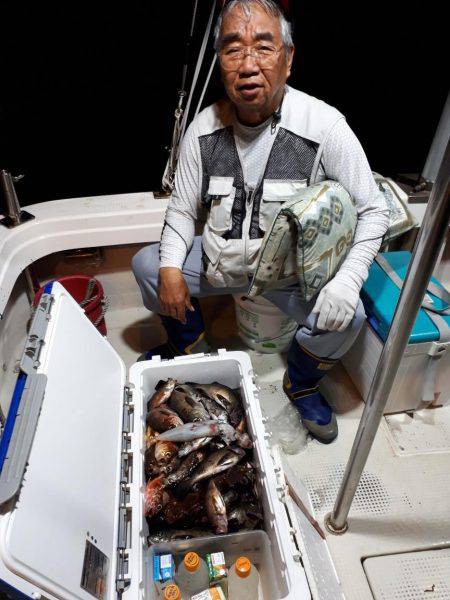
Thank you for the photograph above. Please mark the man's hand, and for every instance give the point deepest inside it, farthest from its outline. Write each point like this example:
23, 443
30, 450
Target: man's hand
173, 293
336, 306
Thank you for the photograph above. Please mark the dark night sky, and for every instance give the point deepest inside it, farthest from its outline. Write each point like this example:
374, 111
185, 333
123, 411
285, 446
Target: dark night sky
88, 89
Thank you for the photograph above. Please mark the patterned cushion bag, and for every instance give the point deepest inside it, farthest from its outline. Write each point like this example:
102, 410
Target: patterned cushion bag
400, 219
308, 240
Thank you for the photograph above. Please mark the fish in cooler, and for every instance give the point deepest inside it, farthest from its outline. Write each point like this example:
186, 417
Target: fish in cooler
188, 447
163, 418
218, 461
187, 408
216, 508
191, 431
185, 469
197, 462
163, 391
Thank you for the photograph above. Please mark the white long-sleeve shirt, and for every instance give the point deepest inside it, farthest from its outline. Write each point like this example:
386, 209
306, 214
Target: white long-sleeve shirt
342, 160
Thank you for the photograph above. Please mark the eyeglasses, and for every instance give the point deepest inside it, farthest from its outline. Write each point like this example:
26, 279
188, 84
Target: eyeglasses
265, 55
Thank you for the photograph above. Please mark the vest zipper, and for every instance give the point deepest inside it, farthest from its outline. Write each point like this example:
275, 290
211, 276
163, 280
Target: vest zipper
249, 194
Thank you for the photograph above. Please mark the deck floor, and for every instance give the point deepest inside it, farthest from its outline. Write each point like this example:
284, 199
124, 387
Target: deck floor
402, 504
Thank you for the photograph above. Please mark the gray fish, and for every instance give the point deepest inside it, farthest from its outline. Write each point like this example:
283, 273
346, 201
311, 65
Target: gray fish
162, 394
230, 497
192, 431
189, 409
240, 477
171, 535
163, 418
226, 398
201, 429
216, 508
215, 411
243, 518
188, 447
190, 390
217, 392
217, 462
187, 466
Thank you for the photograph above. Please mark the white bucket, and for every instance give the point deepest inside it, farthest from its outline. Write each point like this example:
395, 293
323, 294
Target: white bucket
262, 326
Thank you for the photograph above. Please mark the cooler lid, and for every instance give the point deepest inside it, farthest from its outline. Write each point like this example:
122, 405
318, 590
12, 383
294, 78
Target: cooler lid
380, 296
61, 533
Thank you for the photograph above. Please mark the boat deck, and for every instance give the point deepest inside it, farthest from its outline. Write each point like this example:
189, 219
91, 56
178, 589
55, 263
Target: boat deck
402, 506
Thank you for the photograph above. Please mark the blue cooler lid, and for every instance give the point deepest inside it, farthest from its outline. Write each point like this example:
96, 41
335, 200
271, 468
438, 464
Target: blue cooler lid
380, 296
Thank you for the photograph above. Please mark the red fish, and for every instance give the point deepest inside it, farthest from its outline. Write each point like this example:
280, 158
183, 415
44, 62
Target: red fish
153, 496
163, 419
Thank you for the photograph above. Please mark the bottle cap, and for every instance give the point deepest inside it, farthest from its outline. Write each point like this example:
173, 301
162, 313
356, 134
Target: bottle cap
242, 566
172, 592
191, 561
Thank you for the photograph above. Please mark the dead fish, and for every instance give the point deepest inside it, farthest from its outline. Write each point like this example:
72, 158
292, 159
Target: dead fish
150, 467
230, 497
185, 469
162, 419
243, 439
190, 390
188, 447
239, 520
150, 433
170, 467
215, 463
165, 451
153, 496
171, 535
200, 429
189, 409
240, 477
226, 398
162, 394
216, 508
242, 425
217, 444
215, 411
158, 456
190, 508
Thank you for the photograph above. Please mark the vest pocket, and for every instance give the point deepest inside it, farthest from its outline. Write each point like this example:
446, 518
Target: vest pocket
220, 198
275, 192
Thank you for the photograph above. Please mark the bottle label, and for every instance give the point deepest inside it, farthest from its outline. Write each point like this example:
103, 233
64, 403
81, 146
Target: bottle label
214, 593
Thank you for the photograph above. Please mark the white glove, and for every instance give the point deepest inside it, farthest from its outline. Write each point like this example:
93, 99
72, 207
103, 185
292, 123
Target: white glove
336, 306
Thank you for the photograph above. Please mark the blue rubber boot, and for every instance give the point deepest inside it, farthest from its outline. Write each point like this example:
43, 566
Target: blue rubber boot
300, 384
188, 338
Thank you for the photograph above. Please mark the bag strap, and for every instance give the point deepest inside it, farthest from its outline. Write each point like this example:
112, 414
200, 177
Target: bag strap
433, 312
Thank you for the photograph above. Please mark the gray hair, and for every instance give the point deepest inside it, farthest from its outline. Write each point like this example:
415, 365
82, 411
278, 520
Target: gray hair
269, 6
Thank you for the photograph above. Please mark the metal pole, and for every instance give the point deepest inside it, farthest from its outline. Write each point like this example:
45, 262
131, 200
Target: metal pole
424, 256
12, 202
15, 215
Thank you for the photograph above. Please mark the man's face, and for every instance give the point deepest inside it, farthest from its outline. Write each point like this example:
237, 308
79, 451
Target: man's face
252, 86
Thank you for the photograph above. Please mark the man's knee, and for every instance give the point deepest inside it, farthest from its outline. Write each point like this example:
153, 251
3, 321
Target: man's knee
145, 263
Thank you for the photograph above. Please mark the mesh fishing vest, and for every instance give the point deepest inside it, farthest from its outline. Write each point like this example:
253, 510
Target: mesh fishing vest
238, 217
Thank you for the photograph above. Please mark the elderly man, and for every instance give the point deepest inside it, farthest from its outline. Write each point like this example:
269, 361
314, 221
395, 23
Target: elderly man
238, 159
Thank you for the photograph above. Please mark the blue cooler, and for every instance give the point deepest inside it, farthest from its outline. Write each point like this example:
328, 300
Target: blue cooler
424, 373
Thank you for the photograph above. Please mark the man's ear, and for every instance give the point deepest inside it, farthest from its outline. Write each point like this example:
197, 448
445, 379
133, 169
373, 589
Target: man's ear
289, 58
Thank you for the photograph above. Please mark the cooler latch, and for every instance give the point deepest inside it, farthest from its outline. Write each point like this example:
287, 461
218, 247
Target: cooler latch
125, 511
30, 357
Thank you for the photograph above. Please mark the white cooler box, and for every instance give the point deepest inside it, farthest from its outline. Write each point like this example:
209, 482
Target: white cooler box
72, 478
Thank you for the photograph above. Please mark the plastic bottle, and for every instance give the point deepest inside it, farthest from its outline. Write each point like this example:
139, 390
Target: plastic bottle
192, 575
243, 580
171, 592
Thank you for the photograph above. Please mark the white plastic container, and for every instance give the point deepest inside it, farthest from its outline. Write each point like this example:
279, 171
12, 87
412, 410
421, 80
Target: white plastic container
72, 453
243, 580
262, 326
191, 575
